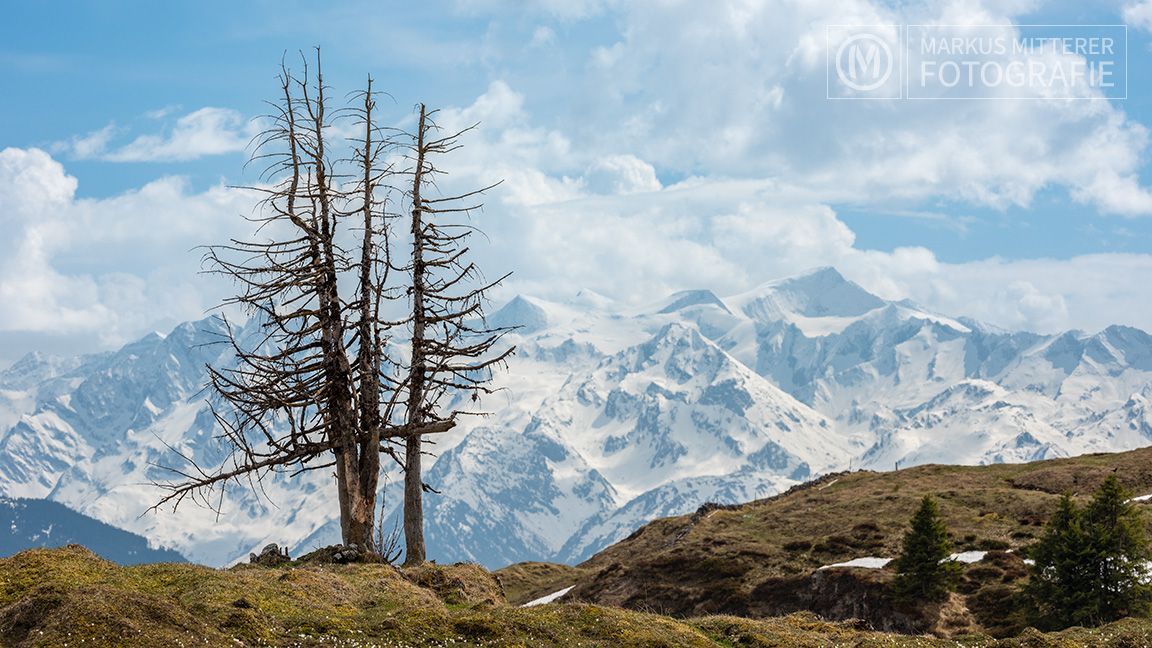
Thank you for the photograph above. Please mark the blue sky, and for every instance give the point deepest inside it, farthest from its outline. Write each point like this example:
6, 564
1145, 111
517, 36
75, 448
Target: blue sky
646, 147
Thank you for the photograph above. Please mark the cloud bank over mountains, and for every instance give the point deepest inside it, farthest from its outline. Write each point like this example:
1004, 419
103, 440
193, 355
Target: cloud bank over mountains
687, 144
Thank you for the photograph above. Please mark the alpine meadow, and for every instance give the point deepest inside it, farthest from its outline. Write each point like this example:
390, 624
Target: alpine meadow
743, 323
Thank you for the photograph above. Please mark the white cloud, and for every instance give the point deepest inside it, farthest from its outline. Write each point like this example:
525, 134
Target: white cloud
161, 113
735, 88
732, 236
727, 94
113, 268
621, 174
567, 219
208, 131
108, 269
1139, 14
534, 163
542, 36
204, 132
500, 107
33, 184
86, 147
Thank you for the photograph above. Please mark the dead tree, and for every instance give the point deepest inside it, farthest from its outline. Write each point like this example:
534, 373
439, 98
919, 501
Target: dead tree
313, 388
451, 347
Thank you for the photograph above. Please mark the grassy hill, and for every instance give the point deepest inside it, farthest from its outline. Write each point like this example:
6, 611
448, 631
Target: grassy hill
70, 597
741, 576
763, 558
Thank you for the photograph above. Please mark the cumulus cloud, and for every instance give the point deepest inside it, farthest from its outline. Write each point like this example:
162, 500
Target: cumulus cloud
568, 219
640, 247
1139, 14
737, 93
107, 269
535, 165
732, 235
89, 146
33, 185
204, 132
113, 268
621, 174
208, 131
717, 95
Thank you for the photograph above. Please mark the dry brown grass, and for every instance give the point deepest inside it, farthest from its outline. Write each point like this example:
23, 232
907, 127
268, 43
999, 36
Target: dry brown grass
69, 597
725, 560
528, 581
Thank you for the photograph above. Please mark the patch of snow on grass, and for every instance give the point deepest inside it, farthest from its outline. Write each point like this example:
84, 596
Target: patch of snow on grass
873, 562
548, 599
869, 562
968, 557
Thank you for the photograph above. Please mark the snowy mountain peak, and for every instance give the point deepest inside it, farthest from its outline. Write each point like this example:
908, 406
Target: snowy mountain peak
588, 298
690, 298
805, 300
605, 419
34, 368
522, 313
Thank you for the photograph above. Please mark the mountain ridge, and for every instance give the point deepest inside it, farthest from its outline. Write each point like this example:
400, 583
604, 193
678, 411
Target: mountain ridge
605, 419
29, 523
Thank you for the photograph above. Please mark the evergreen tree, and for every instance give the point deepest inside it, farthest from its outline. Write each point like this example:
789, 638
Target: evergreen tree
1117, 540
925, 573
1091, 564
1061, 576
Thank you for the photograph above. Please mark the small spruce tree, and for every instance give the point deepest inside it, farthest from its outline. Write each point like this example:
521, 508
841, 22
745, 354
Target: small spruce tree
1061, 575
1117, 540
925, 573
1091, 565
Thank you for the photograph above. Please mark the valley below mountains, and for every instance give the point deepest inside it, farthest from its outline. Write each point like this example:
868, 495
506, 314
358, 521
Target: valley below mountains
608, 417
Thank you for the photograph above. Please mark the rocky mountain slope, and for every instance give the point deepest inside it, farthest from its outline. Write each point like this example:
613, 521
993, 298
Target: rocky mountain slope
609, 417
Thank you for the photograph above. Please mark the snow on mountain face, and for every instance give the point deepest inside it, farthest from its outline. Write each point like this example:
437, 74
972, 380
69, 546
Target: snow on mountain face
817, 302
656, 416
607, 418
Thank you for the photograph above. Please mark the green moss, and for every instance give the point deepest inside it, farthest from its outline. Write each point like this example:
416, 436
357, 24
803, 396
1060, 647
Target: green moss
461, 584
527, 581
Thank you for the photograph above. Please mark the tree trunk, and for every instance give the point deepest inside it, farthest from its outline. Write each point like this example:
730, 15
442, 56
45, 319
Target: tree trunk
414, 551
337, 369
361, 522
413, 475
343, 496
363, 506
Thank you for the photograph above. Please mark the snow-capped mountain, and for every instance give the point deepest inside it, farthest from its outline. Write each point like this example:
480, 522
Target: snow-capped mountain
608, 417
